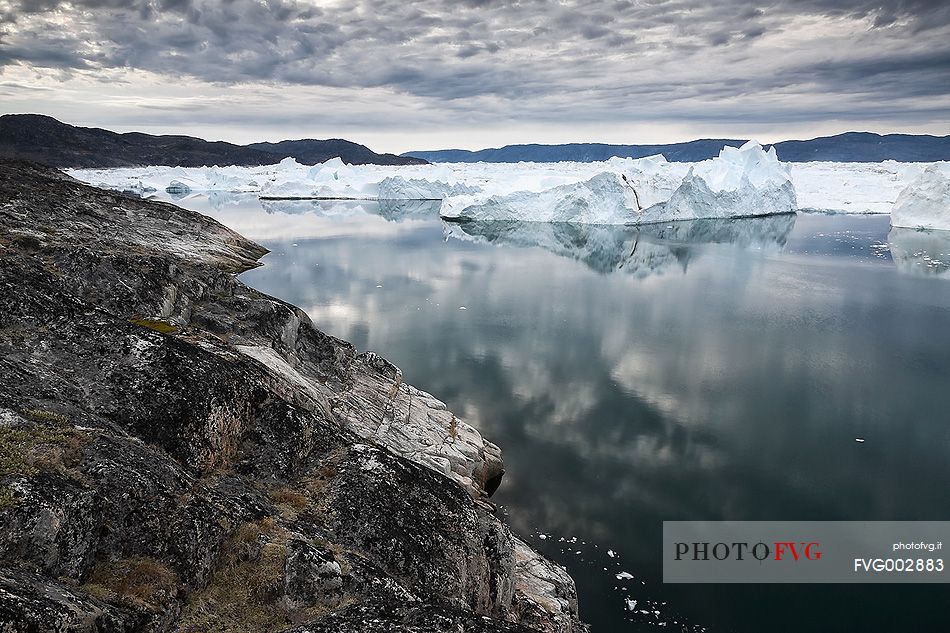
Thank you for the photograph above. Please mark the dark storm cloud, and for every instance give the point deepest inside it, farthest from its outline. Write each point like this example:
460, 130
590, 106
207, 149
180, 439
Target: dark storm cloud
622, 56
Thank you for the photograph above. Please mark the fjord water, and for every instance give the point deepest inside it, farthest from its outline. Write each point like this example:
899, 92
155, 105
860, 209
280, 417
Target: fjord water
706, 370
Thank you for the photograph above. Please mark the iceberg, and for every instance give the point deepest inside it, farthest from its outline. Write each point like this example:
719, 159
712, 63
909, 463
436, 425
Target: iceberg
604, 199
398, 188
743, 182
925, 203
740, 183
859, 188
177, 187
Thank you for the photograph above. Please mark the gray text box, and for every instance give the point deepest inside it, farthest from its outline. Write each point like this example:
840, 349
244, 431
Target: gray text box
805, 551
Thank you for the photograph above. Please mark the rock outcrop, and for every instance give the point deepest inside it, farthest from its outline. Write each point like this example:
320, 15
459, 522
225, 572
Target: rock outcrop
179, 452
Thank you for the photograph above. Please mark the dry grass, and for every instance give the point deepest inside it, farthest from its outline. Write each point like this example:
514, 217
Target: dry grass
6, 499
245, 588
41, 415
136, 582
24, 451
289, 501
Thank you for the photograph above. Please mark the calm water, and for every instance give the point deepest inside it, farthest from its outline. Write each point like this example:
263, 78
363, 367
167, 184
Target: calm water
714, 370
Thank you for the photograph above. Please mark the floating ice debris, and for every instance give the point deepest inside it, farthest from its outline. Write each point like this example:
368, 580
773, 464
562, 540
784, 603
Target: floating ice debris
631, 604
611, 553
542, 536
624, 576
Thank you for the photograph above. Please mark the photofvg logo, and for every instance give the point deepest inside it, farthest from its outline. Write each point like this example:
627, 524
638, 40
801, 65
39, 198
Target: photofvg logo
803, 551
761, 551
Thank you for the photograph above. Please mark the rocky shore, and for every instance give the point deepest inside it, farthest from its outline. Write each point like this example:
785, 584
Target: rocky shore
179, 452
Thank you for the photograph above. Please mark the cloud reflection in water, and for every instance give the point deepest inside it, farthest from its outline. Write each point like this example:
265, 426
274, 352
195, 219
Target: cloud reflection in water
633, 375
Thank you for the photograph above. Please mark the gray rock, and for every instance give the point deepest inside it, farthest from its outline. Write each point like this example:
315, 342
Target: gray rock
311, 575
31, 602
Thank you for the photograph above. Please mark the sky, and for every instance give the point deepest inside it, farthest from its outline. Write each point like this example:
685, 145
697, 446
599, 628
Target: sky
429, 74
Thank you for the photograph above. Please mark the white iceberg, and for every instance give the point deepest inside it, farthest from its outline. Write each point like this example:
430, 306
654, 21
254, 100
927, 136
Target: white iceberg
859, 188
714, 187
330, 171
177, 187
740, 183
398, 188
743, 182
604, 199
925, 203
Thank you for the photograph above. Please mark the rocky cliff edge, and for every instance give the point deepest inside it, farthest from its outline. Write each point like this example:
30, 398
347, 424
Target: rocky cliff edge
179, 452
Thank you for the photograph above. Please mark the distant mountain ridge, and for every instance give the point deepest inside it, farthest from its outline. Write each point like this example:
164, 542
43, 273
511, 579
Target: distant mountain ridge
858, 147
46, 140
311, 152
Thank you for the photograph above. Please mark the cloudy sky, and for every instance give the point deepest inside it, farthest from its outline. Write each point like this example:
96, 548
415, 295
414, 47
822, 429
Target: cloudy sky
402, 75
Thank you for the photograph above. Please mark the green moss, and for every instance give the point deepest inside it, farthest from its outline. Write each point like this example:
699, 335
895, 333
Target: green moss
163, 327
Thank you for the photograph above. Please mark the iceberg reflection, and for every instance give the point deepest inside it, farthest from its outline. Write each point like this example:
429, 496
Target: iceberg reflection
920, 253
644, 250
392, 210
